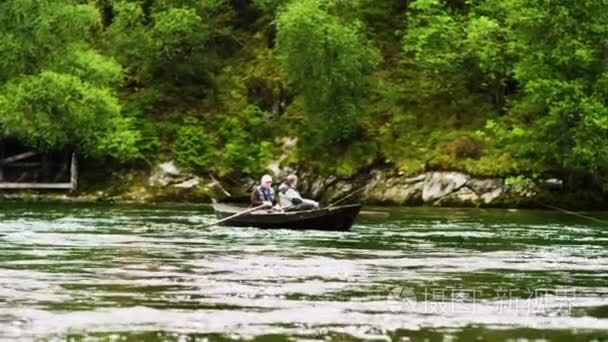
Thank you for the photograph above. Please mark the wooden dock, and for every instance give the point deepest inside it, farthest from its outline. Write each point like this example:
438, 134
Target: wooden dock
19, 161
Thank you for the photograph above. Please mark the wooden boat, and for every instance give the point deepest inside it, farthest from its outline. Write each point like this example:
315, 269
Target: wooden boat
336, 218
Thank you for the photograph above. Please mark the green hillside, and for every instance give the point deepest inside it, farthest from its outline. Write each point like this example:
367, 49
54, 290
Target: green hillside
487, 87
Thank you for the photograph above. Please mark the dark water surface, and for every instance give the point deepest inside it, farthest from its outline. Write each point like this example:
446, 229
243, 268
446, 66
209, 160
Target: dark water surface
150, 273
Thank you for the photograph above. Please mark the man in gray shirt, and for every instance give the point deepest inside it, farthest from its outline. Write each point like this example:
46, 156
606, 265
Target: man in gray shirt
290, 199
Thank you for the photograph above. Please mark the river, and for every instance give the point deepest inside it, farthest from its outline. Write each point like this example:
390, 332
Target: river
110, 272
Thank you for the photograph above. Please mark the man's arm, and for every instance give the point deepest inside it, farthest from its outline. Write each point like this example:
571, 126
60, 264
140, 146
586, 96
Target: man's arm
294, 196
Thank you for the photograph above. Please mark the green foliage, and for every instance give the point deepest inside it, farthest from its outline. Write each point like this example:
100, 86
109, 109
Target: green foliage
489, 87
434, 44
246, 147
34, 33
359, 154
127, 39
176, 31
462, 147
521, 185
434, 38
269, 6
561, 115
533, 62
165, 44
135, 107
328, 61
193, 147
89, 66
486, 39
55, 90
53, 111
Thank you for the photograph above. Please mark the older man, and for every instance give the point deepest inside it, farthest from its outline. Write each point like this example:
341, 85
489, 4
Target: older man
290, 199
263, 194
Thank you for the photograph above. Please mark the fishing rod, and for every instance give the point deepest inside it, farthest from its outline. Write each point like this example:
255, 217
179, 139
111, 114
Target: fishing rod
347, 196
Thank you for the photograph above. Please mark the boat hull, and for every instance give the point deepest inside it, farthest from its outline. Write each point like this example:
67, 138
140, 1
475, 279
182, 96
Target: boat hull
333, 219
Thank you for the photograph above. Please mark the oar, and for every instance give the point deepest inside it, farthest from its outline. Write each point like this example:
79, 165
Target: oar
247, 211
347, 197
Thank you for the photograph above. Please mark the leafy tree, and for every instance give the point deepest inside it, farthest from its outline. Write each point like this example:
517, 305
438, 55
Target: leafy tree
128, 41
458, 53
245, 142
114, 77
487, 44
327, 60
166, 44
435, 45
560, 117
55, 90
193, 146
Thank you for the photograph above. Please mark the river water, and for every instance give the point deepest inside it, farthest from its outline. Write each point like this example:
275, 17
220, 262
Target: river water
88, 272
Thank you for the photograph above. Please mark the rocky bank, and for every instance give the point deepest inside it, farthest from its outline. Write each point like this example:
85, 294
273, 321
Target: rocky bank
167, 181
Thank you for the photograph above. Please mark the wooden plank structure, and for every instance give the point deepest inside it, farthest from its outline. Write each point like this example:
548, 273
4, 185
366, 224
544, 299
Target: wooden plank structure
19, 161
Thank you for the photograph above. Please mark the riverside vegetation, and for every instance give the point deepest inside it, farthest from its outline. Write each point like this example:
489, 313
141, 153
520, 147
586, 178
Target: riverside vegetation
514, 89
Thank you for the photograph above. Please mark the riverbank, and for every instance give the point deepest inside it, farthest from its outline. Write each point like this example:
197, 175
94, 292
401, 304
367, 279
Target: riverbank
168, 183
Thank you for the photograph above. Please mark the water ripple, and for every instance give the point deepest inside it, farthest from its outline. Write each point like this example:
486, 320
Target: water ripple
112, 272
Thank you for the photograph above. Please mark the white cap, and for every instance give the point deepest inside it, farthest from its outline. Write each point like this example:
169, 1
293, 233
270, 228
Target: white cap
266, 178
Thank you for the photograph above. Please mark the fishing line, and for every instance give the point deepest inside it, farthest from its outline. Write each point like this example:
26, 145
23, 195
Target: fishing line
574, 213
